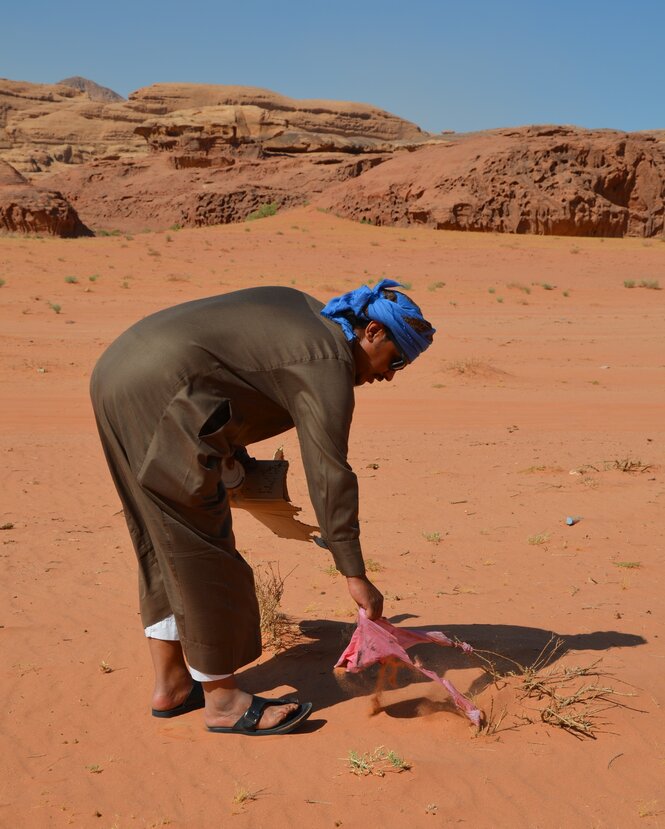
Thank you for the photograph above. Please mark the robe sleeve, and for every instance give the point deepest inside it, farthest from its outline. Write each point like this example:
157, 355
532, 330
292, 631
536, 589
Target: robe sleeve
179, 465
319, 397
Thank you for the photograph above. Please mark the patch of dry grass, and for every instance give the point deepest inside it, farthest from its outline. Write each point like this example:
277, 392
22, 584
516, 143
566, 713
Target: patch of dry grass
471, 365
574, 698
377, 762
243, 795
628, 465
539, 538
622, 464
277, 630
492, 724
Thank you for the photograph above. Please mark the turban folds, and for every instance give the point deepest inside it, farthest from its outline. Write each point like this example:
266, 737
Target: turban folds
367, 304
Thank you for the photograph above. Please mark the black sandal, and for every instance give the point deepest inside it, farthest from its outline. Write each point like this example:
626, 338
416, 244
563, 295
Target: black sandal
194, 701
248, 723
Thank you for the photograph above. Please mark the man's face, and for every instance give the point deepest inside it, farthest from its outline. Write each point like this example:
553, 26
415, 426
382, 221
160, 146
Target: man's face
374, 353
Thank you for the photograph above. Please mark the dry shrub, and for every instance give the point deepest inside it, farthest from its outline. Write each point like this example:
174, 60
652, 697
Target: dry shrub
572, 698
277, 630
628, 465
622, 464
475, 368
493, 722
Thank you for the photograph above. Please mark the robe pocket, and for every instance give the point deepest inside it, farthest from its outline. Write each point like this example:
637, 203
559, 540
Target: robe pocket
183, 461
212, 431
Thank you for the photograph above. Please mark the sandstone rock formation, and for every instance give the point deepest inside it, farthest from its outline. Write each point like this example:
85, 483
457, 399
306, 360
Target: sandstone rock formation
46, 126
160, 191
544, 180
28, 209
200, 136
255, 147
94, 91
316, 116
202, 154
9, 177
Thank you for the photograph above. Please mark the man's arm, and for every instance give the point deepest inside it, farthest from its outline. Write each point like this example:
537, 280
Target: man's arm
319, 397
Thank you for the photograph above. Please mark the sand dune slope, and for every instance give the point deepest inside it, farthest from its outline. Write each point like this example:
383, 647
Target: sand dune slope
542, 398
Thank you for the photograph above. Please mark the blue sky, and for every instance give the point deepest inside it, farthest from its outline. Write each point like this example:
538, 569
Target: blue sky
461, 65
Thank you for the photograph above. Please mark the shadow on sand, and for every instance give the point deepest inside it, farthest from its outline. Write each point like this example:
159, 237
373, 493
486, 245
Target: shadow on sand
308, 664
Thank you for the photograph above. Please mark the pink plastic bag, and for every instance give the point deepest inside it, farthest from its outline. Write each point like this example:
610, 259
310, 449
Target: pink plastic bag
380, 641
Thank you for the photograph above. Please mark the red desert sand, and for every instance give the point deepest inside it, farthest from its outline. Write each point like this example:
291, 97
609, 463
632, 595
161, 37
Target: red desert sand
542, 398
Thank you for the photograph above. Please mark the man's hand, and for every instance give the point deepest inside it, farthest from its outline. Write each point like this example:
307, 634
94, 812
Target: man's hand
365, 595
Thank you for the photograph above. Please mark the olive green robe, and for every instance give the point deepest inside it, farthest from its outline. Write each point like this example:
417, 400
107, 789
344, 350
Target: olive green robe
176, 394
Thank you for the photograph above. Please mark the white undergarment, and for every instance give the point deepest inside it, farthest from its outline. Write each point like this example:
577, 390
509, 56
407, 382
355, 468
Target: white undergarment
167, 631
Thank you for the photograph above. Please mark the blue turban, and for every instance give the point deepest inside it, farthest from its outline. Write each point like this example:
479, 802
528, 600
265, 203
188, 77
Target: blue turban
367, 304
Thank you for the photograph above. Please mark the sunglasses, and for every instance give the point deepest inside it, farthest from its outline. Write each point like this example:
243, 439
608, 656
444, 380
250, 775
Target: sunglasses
399, 362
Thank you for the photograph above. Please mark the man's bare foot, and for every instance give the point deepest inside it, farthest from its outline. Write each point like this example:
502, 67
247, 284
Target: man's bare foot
172, 693
172, 679
226, 703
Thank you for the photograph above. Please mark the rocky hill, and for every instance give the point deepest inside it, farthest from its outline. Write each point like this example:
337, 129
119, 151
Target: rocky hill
140, 163
197, 154
94, 91
544, 180
47, 126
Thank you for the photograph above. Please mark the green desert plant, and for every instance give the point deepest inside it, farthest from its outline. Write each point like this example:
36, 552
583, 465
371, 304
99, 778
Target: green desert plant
71, 280
263, 211
519, 286
376, 762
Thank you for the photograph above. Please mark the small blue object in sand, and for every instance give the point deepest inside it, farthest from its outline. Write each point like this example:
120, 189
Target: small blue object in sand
573, 519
